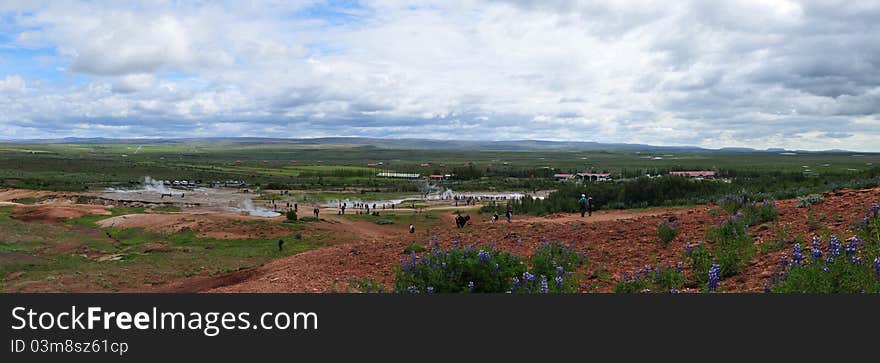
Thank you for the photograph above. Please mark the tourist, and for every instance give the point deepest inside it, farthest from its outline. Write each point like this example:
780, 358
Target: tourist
583, 204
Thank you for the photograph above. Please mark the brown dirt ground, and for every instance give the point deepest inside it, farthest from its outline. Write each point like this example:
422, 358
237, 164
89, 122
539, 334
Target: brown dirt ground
615, 241
213, 225
55, 213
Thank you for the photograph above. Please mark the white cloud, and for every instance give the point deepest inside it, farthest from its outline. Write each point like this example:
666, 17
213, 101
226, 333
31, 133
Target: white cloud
800, 74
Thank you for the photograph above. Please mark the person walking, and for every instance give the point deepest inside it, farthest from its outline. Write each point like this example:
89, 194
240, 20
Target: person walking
280, 245
412, 228
509, 212
316, 211
583, 203
590, 206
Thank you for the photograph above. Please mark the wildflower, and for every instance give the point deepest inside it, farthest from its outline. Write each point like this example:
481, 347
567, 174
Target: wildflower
796, 255
687, 249
559, 271
833, 248
430, 290
816, 249
412, 290
783, 261
526, 276
679, 266
646, 291
483, 256
558, 282
876, 209
673, 291
714, 277
544, 288
471, 286
766, 288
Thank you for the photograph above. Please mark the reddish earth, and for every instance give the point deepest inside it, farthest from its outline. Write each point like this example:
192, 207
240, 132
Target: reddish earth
55, 213
616, 242
225, 225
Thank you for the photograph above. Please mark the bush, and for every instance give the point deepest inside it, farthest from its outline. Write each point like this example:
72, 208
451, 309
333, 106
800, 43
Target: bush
414, 248
291, 215
309, 219
384, 221
760, 212
667, 231
484, 269
699, 260
808, 200
658, 280
733, 247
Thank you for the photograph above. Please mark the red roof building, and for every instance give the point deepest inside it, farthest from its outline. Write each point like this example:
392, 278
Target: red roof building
694, 174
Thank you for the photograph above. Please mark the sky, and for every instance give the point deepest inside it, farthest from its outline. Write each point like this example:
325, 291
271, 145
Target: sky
761, 74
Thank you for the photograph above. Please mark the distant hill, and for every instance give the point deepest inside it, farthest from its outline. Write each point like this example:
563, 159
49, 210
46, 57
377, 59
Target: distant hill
418, 144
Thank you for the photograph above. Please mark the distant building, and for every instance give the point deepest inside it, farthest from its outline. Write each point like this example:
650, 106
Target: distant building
425, 165
563, 176
439, 176
594, 176
703, 174
398, 175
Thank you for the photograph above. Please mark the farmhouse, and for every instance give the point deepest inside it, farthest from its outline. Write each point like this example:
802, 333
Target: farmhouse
563, 176
594, 176
704, 174
398, 175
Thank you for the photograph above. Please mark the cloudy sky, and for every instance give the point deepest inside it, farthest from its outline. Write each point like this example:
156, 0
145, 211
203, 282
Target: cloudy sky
707, 73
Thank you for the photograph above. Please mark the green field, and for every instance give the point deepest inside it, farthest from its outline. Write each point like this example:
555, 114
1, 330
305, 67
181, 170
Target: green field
343, 168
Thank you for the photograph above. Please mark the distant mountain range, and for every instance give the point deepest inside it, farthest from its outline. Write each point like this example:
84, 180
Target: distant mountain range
423, 144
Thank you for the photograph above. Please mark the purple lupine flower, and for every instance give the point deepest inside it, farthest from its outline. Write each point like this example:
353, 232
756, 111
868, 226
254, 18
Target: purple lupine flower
412, 290
796, 255
714, 277
766, 288
687, 249
559, 282
673, 291
646, 291
833, 248
857, 261
526, 276
483, 256
430, 290
679, 266
876, 209
544, 287
471, 286
783, 261
816, 250
851, 248
559, 271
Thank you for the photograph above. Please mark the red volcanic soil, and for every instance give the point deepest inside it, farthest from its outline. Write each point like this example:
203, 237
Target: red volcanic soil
615, 242
55, 213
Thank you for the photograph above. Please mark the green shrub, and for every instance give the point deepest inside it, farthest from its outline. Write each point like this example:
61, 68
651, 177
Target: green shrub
733, 247
414, 248
291, 215
667, 231
384, 221
808, 200
309, 219
666, 279
699, 260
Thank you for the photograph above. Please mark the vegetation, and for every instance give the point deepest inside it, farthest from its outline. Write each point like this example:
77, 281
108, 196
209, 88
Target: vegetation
552, 269
667, 231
